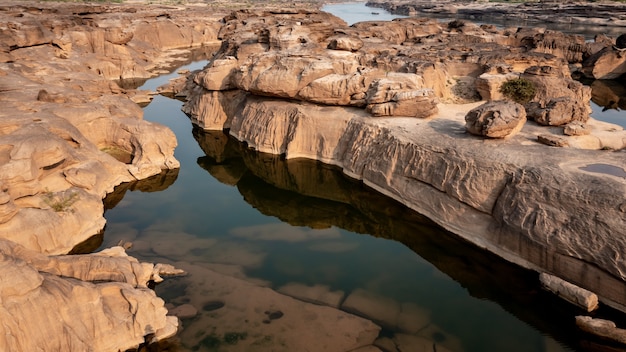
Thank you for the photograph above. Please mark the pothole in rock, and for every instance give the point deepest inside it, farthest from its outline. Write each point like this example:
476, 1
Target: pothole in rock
120, 154
607, 169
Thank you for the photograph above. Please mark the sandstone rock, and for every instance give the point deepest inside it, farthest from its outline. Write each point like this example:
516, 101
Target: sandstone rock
488, 85
601, 327
418, 103
63, 123
553, 141
87, 313
557, 112
213, 110
609, 63
400, 95
568, 98
569, 292
219, 74
496, 119
576, 128
345, 43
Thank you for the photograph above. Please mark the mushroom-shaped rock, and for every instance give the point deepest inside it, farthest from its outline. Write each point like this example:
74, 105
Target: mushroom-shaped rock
496, 119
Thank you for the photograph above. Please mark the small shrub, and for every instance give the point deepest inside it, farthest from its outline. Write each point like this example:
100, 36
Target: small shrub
519, 90
60, 203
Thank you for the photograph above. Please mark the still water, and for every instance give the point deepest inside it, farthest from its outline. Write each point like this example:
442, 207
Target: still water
282, 223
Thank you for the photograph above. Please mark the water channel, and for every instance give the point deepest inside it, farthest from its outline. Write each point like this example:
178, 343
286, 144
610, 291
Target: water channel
300, 222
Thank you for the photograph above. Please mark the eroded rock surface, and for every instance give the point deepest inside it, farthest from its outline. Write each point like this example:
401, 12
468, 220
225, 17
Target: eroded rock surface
100, 301
529, 203
69, 133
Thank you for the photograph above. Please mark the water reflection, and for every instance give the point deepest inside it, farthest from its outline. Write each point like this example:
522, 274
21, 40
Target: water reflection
156, 183
306, 193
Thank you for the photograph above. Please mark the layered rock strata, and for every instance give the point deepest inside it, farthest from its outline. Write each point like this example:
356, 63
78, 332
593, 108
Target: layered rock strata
540, 207
68, 135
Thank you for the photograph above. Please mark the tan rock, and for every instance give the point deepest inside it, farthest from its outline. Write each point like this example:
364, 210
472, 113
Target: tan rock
601, 327
345, 43
576, 128
553, 141
608, 63
488, 85
86, 314
219, 74
569, 292
496, 119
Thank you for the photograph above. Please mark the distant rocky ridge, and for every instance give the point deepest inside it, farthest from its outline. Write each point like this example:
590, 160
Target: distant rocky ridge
386, 101
608, 13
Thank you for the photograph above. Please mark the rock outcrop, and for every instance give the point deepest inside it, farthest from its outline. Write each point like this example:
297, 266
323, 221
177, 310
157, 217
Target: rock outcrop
522, 200
68, 135
101, 301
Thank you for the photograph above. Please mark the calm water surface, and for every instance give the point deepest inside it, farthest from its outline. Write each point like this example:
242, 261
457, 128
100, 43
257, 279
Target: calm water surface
298, 221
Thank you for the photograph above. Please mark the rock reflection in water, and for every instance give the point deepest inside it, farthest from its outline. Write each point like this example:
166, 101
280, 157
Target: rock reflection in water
610, 94
154, 183
308, 193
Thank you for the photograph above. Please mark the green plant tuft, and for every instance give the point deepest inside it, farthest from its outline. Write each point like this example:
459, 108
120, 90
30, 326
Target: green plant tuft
60, 203
519, 90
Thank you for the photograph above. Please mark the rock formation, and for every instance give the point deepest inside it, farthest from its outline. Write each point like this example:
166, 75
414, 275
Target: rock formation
101, 301
496, 119
530, 204
68, 135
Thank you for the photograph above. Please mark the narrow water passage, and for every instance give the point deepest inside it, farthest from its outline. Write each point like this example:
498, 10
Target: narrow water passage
298, 227
300, 224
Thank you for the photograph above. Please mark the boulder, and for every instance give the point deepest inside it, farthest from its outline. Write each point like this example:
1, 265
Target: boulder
557, 112
558, 100
576, 128
608, 63
496, 119
345, 43
218, 75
